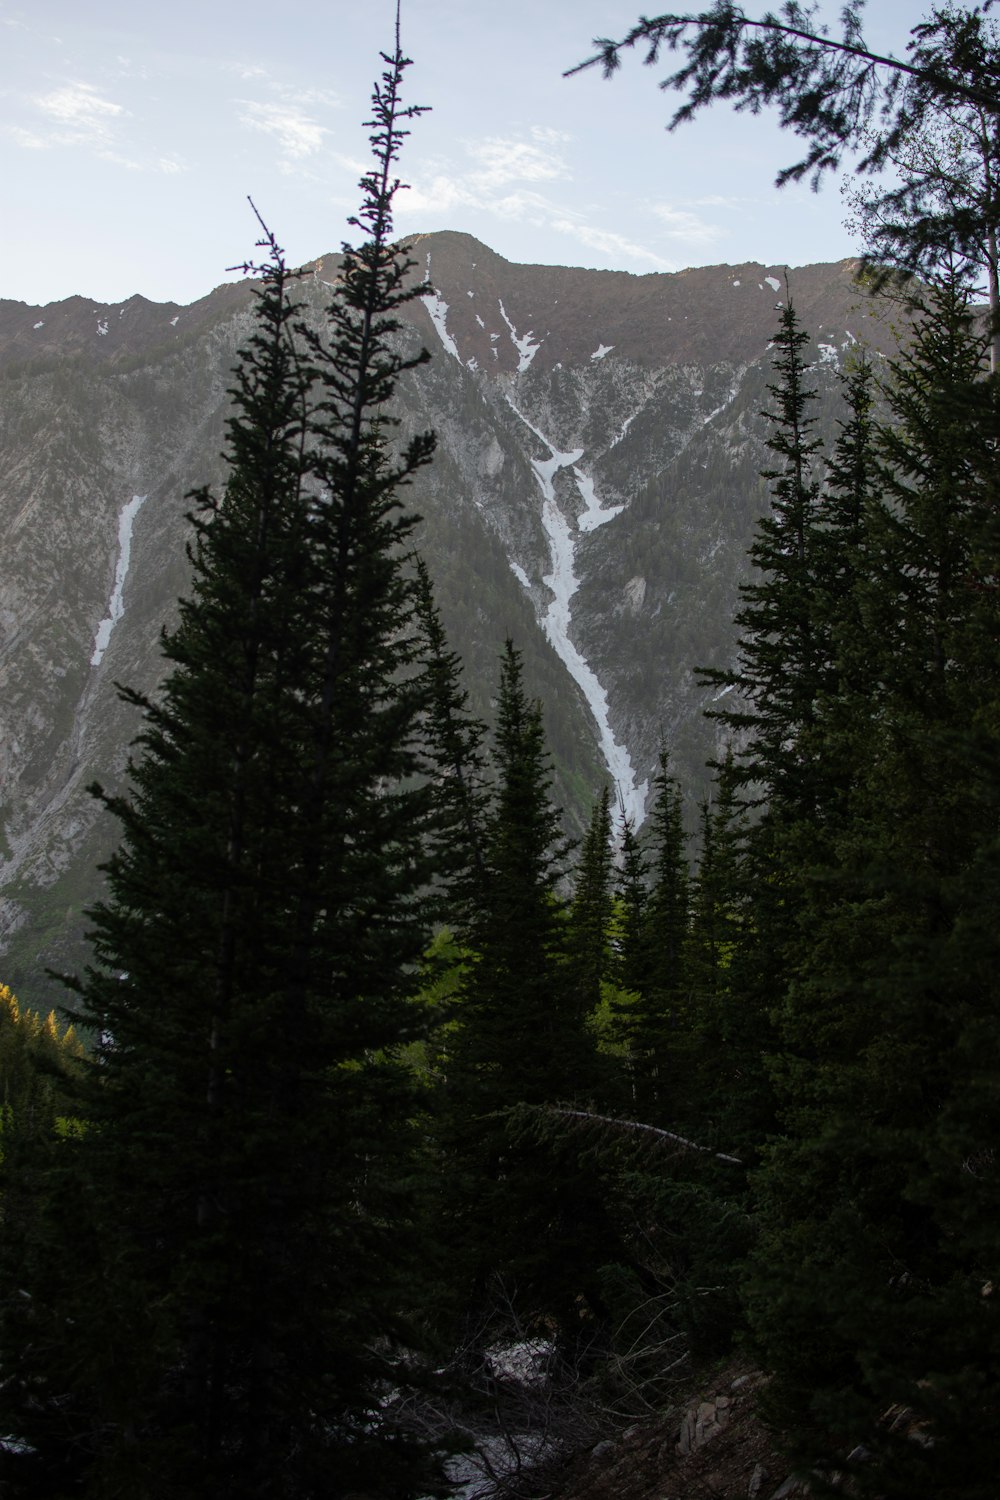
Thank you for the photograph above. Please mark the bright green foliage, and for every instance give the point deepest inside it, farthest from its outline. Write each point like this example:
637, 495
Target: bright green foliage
240, 1277
40, 1067
38, 1058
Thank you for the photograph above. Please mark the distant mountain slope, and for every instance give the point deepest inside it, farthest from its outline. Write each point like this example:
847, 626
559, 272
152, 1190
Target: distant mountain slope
594, 493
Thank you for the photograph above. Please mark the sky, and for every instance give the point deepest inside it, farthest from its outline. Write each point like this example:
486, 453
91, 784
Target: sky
132, 133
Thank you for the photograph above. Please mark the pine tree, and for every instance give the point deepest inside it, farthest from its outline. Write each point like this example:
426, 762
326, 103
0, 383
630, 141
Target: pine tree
456, 762
783, 668
590, 909
780, 651
524, 1215
730, 1082
631, 945
254, 958
868, 1287
654, 1021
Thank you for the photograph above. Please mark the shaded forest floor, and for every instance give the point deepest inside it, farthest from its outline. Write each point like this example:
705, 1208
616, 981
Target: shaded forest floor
710, 1445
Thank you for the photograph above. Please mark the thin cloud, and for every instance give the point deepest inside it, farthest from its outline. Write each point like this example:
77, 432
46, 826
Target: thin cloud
682, 224
503, 179
720, 200
495, 163
27, 139
245, 70
607, 242
298, 135
501, 159
80, 117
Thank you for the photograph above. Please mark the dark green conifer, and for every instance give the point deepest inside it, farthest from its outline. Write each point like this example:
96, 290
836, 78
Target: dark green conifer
590, 909
657, 1021
254, 958
868, 1286
525, 1217
780, 651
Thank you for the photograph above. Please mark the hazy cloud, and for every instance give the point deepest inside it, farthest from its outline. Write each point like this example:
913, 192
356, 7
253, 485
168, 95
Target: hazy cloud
82, 115
691, 228
615, 245
504, 176
26, 138
493, 163
245, 70
298, 135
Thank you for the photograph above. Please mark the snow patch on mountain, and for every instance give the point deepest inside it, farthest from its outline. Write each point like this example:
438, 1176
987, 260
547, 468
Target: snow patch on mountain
602, 350
527, 347
623, 429
438, 309
116, 605
730, 398
594, 514
773, 283
557, 622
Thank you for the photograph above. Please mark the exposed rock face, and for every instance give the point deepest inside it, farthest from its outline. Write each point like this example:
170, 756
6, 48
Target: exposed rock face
594, 493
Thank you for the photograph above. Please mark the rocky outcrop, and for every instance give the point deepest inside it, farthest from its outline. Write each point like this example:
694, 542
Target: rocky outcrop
711, 1446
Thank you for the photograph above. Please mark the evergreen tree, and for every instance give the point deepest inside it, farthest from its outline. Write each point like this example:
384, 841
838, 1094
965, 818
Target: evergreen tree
590, 910
837, 95
868, 1286
254, 958
631, 946
456, 761
654, 1021
523, 1213
784, 662
726, 1041
780, 652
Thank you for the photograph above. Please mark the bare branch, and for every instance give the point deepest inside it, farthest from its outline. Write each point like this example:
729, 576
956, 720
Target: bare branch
634, 1126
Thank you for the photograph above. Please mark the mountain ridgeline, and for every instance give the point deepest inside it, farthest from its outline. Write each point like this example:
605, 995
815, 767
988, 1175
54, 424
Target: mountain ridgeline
595, 489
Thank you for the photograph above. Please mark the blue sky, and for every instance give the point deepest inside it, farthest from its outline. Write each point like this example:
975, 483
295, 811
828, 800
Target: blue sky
131, 135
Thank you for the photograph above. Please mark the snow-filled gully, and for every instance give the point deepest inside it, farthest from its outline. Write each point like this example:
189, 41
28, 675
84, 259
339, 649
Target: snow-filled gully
116, 606
558, 618
562, 581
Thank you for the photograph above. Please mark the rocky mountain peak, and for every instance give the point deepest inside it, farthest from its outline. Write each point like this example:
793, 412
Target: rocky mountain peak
595, 489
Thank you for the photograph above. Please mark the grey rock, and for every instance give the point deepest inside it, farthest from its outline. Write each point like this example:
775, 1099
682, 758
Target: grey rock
665, 426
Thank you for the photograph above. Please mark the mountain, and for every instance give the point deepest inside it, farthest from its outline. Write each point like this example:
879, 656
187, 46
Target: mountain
593, 496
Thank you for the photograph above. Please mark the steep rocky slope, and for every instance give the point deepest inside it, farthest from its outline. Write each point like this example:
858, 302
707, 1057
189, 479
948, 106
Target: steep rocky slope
593, 496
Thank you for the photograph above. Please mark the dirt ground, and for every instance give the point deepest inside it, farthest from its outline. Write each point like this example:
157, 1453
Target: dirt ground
712, 1446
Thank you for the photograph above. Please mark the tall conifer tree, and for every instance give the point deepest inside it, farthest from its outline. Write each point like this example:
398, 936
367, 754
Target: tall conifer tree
525, 1216
871, 1287
651, 1020
590, 910
256, 951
